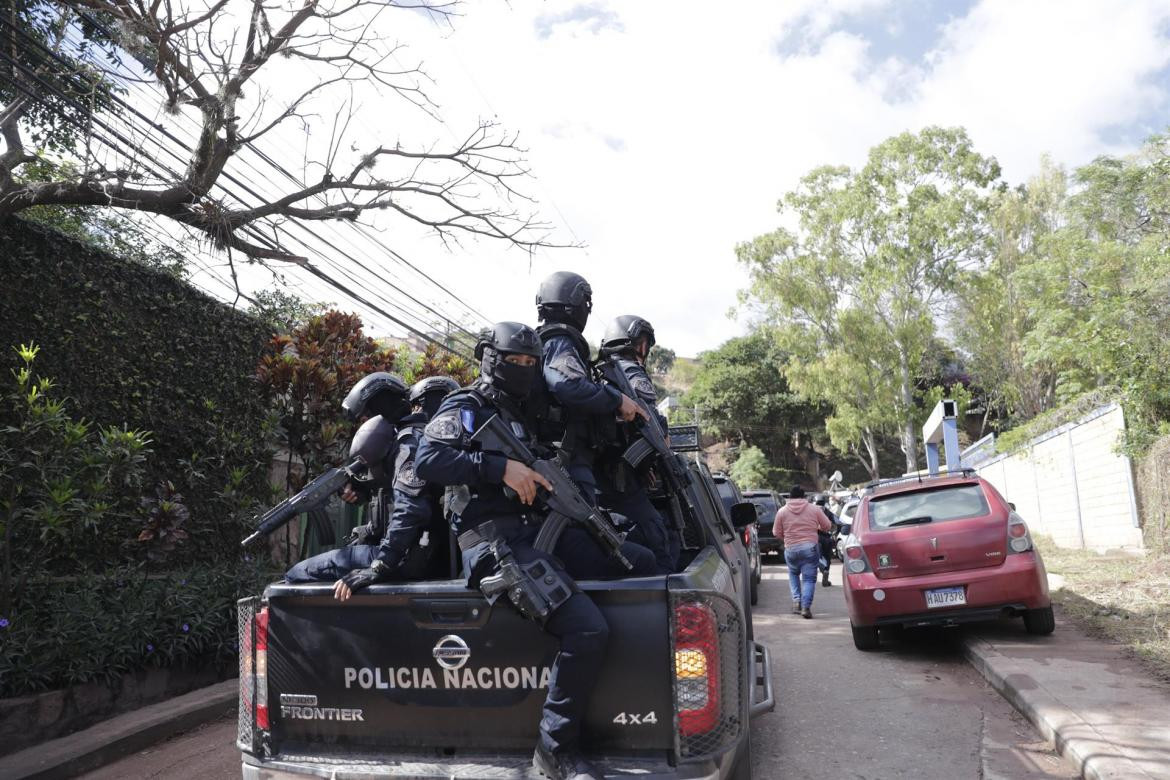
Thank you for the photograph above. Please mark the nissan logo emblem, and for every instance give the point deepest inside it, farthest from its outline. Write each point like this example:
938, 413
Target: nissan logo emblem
451, 652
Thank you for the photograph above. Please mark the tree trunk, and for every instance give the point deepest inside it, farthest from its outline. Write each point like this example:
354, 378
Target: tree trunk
909, 438
870, 442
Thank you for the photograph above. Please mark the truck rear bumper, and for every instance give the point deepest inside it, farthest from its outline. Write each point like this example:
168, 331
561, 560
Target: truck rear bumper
484, 767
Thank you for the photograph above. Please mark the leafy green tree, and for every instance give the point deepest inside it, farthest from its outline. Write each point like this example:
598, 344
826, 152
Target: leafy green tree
660, 360
995, 309
752, 469
742, 394
855, 290
1100, 288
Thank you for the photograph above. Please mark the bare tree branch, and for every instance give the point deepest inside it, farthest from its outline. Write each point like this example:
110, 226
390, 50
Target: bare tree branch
468, 188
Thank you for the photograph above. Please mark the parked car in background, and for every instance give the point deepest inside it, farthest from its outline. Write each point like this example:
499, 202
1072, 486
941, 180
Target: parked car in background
767, 503
730, 494
941, 550
848, 512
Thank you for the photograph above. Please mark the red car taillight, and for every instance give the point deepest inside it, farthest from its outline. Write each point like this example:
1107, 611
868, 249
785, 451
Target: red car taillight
855, 562
260, 638
1019, 540
696, 668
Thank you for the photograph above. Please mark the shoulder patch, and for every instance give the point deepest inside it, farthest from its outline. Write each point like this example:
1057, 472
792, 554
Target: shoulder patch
407, 477
643, 387
467, 417
445, 426
568, 365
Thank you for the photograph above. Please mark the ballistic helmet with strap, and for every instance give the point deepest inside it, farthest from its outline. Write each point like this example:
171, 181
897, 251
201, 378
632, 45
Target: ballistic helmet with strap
565, 297
494, 346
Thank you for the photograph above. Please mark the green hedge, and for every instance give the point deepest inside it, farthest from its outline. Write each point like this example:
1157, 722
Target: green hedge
73, 630
133, 346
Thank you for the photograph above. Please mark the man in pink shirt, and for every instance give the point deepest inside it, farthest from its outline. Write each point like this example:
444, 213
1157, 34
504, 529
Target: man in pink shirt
797, 524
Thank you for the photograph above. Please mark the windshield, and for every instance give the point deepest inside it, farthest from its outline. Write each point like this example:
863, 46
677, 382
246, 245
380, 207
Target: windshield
849, 511
927, 506
765, 507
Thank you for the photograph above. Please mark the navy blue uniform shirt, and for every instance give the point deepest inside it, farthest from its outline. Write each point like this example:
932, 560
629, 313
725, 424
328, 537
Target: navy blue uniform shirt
447, 456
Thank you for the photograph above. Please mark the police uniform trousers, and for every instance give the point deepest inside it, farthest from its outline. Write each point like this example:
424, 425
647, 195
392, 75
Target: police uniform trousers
649, 527
335, 564
639, 550
579, 626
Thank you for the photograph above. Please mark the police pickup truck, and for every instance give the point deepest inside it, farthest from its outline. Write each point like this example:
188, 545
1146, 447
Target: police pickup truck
428, 680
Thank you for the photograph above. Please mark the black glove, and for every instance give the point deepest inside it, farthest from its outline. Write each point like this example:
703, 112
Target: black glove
364, 578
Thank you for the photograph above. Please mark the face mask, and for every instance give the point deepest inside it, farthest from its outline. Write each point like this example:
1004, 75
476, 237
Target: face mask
513, 379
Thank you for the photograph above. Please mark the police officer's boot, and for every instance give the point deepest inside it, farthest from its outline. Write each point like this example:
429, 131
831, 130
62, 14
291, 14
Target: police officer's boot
564, 766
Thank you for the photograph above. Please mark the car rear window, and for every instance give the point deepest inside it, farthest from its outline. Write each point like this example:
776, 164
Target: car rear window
765, 507
953, 502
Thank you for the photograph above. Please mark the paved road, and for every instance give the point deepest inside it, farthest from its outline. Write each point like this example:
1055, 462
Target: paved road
913, 710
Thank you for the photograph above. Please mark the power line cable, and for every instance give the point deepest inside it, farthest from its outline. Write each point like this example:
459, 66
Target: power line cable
118, 148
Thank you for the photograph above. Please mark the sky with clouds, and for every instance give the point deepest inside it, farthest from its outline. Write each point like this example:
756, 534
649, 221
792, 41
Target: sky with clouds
662, 133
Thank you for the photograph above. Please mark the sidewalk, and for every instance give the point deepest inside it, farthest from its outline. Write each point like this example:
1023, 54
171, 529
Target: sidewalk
1101, 709
122, 735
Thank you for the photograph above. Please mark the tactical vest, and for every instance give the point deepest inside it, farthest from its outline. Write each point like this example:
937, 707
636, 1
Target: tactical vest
578, 433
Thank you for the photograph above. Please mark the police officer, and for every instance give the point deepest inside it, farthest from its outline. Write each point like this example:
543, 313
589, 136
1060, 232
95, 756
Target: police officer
624, 348
411, 544
497, 505
586, 408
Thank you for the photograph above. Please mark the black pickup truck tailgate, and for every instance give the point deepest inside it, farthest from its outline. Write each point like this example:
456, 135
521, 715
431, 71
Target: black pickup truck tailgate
433, 667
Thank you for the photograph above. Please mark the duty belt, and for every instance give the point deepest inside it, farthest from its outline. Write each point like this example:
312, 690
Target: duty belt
488, 529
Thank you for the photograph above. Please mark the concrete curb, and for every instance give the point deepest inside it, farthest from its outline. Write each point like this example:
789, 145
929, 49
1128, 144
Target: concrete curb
120, 736
1093, 754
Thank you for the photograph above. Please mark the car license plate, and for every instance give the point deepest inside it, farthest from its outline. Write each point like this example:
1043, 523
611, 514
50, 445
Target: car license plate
946, 597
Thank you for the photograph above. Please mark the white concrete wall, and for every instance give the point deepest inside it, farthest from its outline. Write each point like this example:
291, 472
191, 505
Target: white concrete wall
1072, 485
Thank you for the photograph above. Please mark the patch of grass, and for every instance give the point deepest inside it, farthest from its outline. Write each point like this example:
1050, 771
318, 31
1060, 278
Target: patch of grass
1117, 597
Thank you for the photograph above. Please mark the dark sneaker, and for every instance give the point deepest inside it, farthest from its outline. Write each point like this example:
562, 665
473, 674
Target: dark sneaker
796, 608
806, 613
564, 766
825, 581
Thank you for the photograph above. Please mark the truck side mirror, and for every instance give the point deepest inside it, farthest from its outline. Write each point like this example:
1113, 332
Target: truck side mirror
743, 514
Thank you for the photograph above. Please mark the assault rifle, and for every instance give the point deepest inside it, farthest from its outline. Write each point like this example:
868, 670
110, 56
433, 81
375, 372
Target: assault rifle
314, 494
652, 443
565, 502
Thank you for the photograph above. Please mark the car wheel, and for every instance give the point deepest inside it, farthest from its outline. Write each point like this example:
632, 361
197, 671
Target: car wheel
865, 637
755, 591
1040, 621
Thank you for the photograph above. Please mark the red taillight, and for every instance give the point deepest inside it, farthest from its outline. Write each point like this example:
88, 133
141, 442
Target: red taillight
855, 562
261, 672
1018, 539
747, 539
696, 669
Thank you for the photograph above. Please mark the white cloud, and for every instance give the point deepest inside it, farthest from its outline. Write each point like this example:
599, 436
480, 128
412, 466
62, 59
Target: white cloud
662, 133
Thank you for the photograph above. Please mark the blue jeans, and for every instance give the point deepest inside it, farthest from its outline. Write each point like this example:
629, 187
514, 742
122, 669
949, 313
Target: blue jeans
802, 561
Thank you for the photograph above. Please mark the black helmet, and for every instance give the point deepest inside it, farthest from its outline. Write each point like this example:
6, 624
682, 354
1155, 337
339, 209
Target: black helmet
380, 393
624, 332
565, 297
430, 392
499, 341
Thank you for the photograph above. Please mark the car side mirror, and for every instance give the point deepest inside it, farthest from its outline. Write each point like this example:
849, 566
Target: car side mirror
1013, 506
743, 514
846, 528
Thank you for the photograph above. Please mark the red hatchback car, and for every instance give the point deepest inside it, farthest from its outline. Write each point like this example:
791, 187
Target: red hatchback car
939, 551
